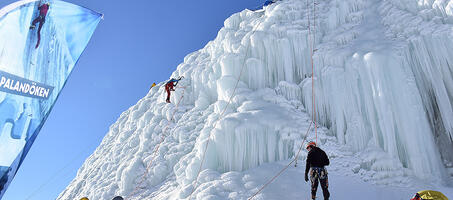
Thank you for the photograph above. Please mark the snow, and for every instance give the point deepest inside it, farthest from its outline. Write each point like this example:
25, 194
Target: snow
384, 99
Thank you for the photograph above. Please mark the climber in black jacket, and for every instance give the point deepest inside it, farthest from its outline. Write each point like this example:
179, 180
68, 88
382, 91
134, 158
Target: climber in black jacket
316, 160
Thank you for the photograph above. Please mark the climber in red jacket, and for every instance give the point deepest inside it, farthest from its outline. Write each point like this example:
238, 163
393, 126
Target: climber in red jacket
43, 9
169, 86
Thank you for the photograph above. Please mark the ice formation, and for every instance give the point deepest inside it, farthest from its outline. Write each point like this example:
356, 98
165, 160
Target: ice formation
383, 90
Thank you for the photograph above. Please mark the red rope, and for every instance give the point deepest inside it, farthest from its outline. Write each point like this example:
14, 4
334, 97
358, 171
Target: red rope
312, 65
301, 145
311, 45
273, 178
158, 146
229, 102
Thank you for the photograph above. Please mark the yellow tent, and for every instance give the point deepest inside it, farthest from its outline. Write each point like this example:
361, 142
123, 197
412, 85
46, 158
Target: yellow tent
432, 195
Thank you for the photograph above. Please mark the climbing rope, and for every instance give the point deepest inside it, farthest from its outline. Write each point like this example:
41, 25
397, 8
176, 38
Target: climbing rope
163, 136
221, 115
223, 112
215, 125
312, 49
312, 66
286, 167
273, 178
301, 145
311, 43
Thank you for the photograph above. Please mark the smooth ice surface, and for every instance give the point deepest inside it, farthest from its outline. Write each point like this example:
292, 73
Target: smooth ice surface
384, 97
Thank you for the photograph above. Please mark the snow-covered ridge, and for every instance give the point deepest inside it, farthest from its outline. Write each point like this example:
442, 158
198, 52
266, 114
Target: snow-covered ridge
383, 85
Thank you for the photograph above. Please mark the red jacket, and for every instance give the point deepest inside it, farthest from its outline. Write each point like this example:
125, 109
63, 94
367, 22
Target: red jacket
169, 86
43, 9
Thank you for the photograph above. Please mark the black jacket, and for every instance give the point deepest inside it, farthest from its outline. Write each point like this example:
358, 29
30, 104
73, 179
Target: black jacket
316, 158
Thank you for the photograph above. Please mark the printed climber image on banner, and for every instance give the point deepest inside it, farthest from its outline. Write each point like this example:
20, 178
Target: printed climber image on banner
40, 42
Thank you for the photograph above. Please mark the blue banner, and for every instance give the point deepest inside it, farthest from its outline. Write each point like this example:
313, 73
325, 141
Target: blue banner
40, 42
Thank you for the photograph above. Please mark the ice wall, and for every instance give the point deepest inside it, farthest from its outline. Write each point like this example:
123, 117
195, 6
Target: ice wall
382, 83
371, 87
388, 83
366, 87
429, 55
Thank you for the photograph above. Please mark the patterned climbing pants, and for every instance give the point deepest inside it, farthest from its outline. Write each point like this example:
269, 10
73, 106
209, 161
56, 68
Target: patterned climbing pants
317, 175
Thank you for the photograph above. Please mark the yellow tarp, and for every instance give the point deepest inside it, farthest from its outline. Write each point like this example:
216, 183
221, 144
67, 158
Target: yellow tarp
432, 195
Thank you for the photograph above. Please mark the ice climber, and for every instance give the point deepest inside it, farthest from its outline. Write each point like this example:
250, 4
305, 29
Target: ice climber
316, 160
40, 19
118, 198
170, 87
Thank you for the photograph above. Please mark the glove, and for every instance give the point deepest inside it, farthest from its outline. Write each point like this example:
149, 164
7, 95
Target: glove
306, 178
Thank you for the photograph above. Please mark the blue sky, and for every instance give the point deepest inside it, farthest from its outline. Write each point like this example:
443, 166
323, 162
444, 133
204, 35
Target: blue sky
135, 45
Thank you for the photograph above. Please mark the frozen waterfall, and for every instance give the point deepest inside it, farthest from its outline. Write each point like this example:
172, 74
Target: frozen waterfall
383, 87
